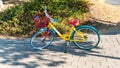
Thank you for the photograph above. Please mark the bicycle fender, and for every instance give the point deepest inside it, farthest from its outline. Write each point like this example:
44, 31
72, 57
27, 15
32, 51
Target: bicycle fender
43, 30
84, 26
51, 30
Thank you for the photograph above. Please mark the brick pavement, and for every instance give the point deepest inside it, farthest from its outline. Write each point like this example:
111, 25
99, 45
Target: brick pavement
16, 53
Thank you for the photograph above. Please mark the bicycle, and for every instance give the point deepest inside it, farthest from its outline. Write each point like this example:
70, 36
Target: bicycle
84, 37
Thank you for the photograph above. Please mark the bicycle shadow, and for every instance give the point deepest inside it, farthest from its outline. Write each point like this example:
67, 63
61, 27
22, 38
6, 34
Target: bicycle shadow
74, 50
17, 52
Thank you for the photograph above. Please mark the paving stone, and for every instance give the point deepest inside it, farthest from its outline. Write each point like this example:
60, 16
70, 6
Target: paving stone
14, 55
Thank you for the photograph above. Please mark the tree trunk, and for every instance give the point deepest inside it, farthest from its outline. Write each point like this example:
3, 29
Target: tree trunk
1, 3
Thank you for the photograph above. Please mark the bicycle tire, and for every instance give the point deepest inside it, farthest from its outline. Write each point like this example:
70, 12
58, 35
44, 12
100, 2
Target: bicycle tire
36, 41
87, 45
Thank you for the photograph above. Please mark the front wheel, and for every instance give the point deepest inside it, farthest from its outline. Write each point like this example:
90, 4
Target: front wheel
41, 39
86, 37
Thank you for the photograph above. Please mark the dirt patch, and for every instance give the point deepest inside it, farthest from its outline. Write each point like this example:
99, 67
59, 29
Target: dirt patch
105, 17
104, 12
10, 3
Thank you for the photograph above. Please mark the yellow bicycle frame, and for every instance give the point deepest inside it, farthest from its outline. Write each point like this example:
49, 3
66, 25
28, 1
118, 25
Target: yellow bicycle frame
67, 37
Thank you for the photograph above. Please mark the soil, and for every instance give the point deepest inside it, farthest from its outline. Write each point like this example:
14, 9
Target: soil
105, 12
106, 16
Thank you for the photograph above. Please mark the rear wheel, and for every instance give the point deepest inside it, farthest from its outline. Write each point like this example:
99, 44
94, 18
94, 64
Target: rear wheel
41, 40
88, 37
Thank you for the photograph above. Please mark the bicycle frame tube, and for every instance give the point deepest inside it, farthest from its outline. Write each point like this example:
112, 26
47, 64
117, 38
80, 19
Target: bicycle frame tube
80, 35
52, 26
68, 36
63, 36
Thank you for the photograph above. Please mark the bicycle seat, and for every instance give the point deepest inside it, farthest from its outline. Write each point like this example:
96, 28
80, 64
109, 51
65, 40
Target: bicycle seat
74, 22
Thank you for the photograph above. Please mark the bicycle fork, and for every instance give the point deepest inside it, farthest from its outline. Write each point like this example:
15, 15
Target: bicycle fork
46, 34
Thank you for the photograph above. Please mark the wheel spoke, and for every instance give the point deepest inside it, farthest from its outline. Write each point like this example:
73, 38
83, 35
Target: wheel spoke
90, 36
40, 41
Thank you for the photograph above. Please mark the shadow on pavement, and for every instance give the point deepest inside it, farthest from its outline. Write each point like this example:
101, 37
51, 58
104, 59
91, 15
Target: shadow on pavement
18, 53
78, 52
105, 29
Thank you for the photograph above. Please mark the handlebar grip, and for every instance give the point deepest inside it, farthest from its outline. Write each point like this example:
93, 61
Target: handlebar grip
45, 11
45, 8
54, 20
47, 15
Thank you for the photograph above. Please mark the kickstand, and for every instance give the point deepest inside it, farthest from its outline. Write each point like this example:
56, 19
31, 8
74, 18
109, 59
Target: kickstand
67, 45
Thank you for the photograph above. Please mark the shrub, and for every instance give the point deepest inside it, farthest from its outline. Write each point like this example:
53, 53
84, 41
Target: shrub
18, 20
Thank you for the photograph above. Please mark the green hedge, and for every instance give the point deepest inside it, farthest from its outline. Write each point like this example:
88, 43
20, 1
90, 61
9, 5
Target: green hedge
17, 21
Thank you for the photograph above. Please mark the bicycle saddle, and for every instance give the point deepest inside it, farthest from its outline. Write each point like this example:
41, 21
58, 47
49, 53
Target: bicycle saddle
74, 22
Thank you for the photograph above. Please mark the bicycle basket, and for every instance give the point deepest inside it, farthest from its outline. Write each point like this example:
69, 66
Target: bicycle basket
40, 21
